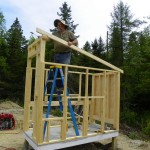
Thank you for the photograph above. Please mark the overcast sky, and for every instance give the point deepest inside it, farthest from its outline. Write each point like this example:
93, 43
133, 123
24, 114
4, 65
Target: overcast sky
93, 16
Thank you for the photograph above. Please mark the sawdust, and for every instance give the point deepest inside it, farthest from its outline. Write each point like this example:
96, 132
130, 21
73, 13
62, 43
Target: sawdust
14, 140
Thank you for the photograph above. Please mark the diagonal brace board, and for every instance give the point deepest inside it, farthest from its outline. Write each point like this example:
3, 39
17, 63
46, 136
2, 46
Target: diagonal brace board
78, 49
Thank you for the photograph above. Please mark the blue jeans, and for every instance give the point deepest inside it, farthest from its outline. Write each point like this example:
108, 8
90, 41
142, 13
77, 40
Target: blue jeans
63, 58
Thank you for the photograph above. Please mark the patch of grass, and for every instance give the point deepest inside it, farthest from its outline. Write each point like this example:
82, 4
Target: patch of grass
146, 129
133, 135
145, 125
129, 117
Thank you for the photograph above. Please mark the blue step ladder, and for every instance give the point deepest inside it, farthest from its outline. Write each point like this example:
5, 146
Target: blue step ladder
56, 73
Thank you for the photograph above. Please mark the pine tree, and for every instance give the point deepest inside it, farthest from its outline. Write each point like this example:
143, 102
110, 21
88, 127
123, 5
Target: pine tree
3, 55
98, 47
115, 44
94, 46
3, 51
65, 14
84, 60
87, 47
120, 29
136, 79
17, 46
2, 25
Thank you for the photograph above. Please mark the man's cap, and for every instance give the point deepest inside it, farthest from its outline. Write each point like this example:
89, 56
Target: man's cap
62, 21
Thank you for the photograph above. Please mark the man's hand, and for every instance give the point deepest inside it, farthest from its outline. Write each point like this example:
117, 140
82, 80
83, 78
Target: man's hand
75, 42
45, 37
70, 43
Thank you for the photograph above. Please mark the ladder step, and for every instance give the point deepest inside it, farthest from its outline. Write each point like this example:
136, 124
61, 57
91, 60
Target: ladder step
49, 81
58, 78
53, 80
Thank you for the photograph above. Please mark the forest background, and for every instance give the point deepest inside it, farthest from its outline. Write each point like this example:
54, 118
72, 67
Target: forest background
126, 47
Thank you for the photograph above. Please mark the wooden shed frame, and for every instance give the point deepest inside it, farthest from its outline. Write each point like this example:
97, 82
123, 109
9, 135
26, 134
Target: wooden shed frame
101, 102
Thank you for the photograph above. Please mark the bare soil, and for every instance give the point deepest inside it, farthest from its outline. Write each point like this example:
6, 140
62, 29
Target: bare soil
14, 140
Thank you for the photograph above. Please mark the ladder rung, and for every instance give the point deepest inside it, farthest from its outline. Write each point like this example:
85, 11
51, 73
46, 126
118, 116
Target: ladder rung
53, 80
57, 66
49, 81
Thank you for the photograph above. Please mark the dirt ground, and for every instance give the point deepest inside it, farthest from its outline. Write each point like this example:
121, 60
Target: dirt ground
14, 140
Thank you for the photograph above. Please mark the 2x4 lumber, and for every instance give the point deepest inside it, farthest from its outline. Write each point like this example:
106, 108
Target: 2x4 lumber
31, 52
39, 81
77, 72
102, 116
80, 83
84, 97
53, 119
114, 143
56, 103
35, 103
42, 50
34, 43
79, 67
32, 49
91, 119
78, 49
27, 98
114, 95
117, 106
64, 121
86, 107
103, 105
108, 97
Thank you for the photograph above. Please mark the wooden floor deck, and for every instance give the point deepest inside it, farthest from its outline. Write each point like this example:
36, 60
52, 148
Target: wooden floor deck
55, 143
